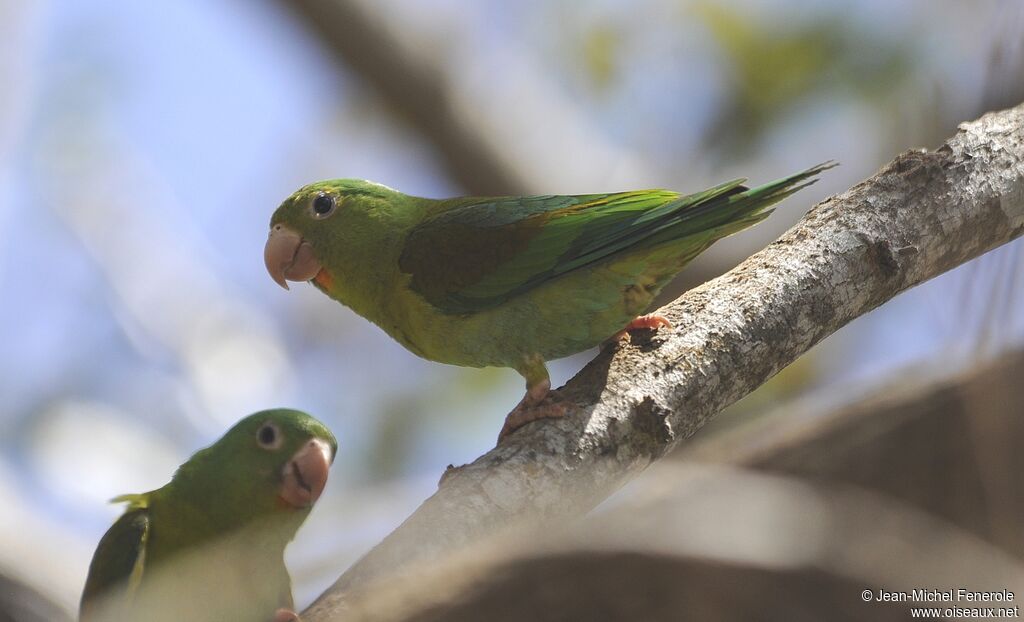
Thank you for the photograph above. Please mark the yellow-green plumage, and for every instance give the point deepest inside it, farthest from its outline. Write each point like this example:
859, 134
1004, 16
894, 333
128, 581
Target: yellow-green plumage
209, 545
508, 281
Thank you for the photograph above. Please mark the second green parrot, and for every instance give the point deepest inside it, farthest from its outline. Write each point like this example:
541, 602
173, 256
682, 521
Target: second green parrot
505, 281
209, 545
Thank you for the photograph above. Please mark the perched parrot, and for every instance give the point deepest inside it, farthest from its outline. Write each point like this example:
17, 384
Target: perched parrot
209, 545
505, 281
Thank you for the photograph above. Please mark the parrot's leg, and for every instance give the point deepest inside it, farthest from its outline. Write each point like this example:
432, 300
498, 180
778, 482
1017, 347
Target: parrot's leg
286, 615
538, 382
651, 321
540, 402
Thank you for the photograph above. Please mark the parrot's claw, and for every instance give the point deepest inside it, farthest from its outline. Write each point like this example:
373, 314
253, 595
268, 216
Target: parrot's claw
651, 321
529, 409
286, 615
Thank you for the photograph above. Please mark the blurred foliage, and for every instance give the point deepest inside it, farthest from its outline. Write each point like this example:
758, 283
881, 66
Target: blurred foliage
773, 67
395, 428
601, 47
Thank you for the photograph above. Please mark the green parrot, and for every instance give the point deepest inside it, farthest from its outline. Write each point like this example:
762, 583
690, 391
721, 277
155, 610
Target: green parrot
209, 545
505, 281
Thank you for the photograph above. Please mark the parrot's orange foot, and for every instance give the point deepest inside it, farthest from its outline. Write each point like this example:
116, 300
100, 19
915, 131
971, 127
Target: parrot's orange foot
549, 407
651, 322
286, 615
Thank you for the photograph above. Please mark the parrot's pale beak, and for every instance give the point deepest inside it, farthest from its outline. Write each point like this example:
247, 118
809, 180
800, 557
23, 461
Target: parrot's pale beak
305, 475
288, 257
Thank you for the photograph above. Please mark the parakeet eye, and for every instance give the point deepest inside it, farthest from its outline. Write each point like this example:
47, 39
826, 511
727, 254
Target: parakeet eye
269, 436
323, 205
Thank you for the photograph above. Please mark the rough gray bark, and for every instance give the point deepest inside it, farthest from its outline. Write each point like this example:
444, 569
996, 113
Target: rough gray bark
921, 215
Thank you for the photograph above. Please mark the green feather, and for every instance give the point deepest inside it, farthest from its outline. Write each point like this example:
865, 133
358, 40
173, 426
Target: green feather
527, 241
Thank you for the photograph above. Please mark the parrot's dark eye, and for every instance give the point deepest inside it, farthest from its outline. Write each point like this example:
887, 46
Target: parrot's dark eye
323, 205
269, 436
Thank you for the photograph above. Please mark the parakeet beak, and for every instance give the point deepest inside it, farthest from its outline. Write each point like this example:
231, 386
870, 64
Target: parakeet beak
305, 475
288, 257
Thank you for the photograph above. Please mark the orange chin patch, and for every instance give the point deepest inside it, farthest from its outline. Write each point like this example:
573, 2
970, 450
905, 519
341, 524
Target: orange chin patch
324, 279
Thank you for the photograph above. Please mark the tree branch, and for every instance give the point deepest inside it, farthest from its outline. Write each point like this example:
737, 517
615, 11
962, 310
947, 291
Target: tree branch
921, 215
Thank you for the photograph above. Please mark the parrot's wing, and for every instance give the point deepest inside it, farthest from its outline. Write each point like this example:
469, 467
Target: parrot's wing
117, 564
478, 255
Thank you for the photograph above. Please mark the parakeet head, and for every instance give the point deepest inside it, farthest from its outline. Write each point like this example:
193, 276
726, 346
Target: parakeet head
329, 223
271, 462
209, 545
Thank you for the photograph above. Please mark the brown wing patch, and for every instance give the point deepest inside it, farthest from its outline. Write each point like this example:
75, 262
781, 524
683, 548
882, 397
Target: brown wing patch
454, 257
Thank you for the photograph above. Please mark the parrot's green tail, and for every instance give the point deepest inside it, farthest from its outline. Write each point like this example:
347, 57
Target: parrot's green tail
756, 201
729, 207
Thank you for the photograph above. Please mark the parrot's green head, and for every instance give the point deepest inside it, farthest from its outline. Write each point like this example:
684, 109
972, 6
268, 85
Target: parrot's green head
272, 463
329, 226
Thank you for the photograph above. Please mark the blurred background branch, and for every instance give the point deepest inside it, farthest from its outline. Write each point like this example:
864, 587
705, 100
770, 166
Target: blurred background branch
947, 444
519, 134
413, 86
